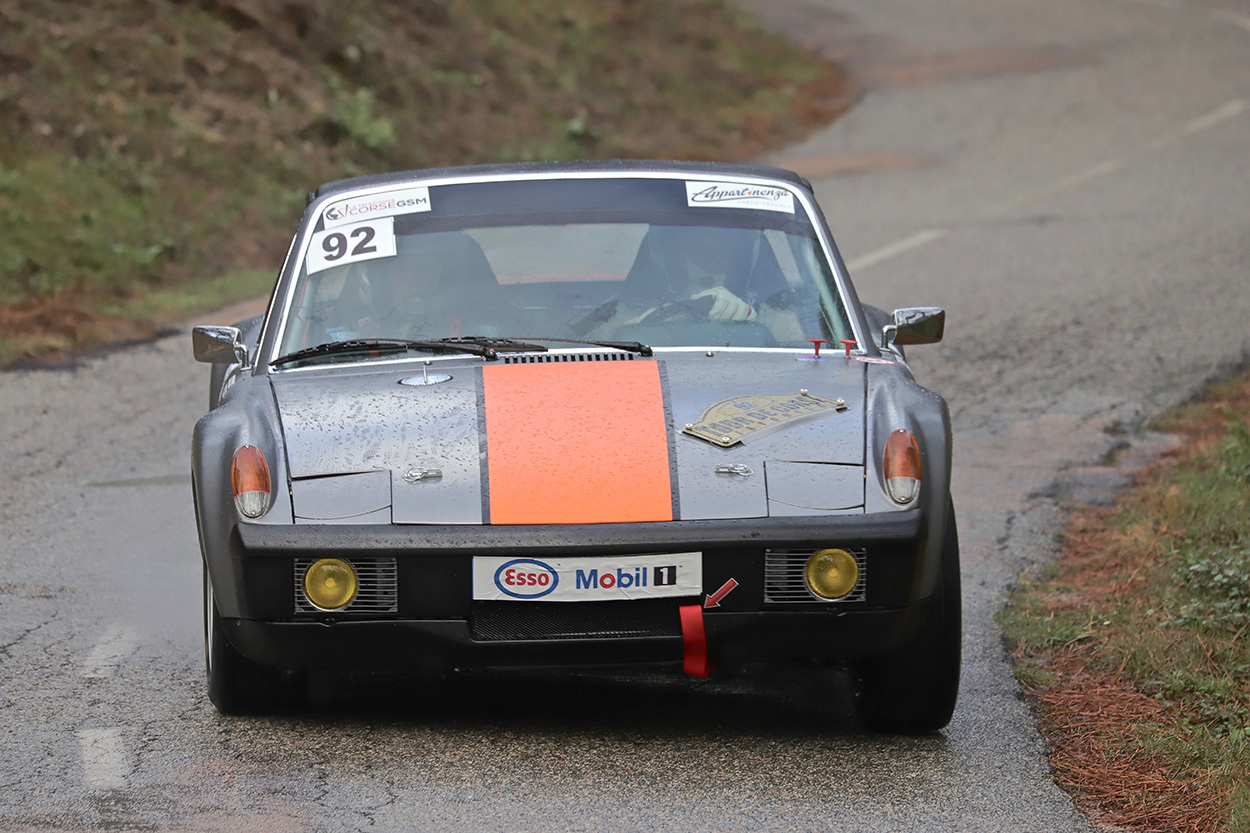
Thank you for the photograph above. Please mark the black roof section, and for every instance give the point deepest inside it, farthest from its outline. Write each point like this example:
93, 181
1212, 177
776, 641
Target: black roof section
583, 166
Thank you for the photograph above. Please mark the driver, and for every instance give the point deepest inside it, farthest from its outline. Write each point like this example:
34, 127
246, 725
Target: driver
693, 267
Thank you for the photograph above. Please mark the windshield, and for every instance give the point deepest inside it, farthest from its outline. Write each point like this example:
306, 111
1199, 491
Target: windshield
605, 260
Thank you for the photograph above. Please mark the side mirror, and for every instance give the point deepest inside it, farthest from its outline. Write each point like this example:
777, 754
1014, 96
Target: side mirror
915, 325
218, 345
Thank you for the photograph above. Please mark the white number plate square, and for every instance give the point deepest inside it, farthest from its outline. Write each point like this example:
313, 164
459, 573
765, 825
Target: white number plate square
606, 578
348, 244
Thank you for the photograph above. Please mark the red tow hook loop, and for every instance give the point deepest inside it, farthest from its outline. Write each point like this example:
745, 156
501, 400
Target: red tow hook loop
695, 661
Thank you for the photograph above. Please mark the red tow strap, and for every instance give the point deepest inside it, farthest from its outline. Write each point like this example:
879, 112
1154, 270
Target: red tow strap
694, 637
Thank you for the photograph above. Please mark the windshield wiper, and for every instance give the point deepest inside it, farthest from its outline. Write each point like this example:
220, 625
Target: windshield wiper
486, 348
499, 344
628, 346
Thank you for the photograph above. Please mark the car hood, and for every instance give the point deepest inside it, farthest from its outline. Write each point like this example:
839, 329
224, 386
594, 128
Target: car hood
576, 438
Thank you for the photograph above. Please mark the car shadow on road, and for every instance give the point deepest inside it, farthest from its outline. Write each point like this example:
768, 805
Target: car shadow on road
766, 701
603, 732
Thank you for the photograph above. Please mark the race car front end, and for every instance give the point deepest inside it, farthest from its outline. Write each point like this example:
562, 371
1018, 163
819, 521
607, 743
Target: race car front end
577, 416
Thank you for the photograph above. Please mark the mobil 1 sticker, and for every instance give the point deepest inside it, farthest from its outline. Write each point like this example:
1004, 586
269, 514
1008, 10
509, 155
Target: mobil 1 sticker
608, 578
348, 244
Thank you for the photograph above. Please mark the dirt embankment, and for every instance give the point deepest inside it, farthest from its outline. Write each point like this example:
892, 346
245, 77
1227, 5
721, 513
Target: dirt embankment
147, 145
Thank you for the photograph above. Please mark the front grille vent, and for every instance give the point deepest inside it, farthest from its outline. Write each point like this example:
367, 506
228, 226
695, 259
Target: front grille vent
377, 591
784, 581
538, 358
491, 621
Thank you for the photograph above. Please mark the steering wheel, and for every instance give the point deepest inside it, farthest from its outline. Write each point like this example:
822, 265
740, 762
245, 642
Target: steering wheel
686, 309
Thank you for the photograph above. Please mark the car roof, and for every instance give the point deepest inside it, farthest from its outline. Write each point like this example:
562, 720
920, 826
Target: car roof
609, 166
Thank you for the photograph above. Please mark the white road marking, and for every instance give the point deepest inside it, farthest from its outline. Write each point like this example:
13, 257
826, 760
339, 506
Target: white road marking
1158, 4
1066, 184
103, 758
1216, 117
115, 645
1202, 124
915, 241
1240, 20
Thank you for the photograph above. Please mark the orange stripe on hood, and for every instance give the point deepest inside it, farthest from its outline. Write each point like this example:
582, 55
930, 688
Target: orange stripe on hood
576, 443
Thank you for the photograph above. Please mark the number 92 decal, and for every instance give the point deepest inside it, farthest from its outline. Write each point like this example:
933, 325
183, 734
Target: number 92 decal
348, 244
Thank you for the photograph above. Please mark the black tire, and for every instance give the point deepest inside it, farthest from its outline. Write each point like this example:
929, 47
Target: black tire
912, 690
236, 684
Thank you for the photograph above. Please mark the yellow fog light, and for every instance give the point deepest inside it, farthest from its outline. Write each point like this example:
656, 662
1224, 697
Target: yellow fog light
832, 574
330, 584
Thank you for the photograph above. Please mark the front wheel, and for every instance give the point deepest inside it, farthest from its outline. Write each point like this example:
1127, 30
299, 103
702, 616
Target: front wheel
912, 690
236, 684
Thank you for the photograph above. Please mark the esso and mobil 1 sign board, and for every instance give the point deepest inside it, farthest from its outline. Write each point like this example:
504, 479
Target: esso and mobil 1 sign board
501, 579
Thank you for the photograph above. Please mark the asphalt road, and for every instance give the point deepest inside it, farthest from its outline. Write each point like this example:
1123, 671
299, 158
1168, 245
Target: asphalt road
1070, 179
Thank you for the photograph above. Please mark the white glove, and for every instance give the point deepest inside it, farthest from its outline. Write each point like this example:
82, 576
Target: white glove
726, 306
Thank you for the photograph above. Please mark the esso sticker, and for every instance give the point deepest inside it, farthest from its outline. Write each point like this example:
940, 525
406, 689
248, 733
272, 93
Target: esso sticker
348, 244
526, 578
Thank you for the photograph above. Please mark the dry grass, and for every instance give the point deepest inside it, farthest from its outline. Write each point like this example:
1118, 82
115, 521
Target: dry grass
1134, 647
1086, 715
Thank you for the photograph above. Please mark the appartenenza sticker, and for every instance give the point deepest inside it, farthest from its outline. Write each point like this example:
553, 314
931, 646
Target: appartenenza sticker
738, 195
363, 241
591, 579
388, 204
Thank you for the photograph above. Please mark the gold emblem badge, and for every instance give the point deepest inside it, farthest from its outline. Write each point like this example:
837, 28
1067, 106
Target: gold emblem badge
744, 419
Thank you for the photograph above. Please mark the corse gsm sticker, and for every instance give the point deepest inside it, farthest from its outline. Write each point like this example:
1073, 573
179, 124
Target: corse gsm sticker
387, 204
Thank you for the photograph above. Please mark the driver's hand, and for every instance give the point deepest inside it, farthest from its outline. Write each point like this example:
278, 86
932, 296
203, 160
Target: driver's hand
726, 306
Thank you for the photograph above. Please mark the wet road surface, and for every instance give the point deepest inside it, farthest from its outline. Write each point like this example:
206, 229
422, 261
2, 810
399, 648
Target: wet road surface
1068, 179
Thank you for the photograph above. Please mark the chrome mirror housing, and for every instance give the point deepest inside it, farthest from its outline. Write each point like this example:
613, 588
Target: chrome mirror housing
218, 345
914, 325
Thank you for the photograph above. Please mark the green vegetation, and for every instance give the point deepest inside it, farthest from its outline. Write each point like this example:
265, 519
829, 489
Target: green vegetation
1136, 646
151, 146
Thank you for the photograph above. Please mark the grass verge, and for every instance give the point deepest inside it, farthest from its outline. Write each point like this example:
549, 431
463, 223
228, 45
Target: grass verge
1133, 645
150, 147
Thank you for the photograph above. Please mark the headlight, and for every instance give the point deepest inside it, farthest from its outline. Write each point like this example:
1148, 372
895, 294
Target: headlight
831, 574
330, 583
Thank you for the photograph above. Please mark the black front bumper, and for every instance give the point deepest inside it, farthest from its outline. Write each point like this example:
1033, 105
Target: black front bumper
438, 627
438, 647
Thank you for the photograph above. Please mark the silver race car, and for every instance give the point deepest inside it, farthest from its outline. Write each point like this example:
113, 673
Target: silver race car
575, 415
